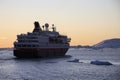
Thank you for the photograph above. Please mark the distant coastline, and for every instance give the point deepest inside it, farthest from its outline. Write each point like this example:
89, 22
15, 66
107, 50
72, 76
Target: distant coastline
108, 43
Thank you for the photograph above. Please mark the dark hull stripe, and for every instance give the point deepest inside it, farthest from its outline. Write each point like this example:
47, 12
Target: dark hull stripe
41, 52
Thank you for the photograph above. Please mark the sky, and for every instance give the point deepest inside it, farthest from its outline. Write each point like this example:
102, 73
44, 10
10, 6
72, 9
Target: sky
86, 22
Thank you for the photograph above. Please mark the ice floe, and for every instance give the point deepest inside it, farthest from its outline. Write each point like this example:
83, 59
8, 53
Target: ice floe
74, 60
96, 62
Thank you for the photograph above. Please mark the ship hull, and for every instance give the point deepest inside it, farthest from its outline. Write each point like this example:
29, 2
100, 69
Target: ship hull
40, 52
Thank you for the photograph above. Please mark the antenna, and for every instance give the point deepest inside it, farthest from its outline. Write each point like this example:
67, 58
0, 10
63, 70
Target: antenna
43, 27
46, 26
52, 24
54, 29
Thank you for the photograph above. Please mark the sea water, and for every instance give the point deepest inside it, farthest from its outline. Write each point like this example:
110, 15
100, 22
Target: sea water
12, 68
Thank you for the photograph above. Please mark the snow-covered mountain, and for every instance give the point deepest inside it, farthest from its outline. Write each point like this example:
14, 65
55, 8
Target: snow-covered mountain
109, 43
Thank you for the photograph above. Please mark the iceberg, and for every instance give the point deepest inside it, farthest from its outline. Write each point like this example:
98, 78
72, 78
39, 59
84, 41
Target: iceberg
100, 62
75, 60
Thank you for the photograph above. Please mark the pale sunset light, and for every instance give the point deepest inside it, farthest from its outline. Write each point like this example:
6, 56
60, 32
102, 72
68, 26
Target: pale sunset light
86, 22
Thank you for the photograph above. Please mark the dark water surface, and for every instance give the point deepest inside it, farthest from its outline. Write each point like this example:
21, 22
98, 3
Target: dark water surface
12, 68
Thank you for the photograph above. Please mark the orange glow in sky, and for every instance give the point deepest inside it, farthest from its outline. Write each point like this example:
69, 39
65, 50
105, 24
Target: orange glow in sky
87, 22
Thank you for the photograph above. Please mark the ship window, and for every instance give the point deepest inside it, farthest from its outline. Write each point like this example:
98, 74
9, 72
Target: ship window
24, 45
18, 45
31, 37
28, 45
33, 45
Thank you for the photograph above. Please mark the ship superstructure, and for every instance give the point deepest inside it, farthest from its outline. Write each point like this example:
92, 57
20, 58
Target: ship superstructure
41, 43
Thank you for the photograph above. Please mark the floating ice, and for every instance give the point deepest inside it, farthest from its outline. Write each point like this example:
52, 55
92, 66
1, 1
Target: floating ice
100, 62
75, 60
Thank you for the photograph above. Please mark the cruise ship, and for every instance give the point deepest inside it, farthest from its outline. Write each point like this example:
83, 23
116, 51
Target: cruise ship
41, 42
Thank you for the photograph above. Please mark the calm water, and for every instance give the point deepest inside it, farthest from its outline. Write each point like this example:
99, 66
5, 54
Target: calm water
59, 68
